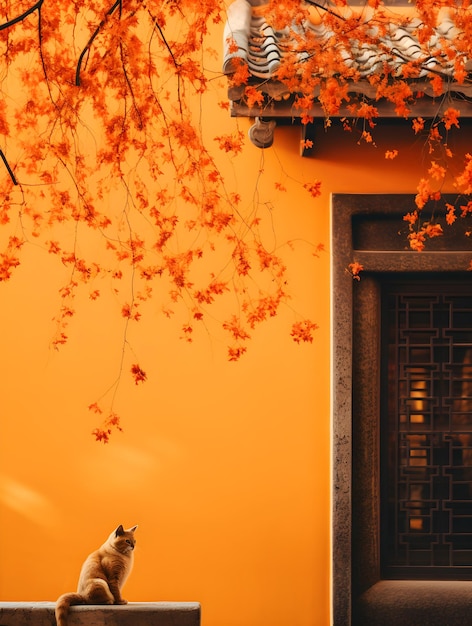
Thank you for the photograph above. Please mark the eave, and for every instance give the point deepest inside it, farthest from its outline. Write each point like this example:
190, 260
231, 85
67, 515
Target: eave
262, 49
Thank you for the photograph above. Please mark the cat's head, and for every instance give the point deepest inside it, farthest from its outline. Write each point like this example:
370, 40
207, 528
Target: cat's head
123, 540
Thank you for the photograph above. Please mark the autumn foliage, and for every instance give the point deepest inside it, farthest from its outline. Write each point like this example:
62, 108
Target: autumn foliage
101, 139
341, 59
105, 167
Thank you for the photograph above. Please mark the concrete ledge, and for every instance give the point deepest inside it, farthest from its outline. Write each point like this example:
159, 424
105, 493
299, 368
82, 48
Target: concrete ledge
415, 603
132, 614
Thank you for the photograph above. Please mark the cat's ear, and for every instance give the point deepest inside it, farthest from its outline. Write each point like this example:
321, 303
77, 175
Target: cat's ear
131, 530
119, 531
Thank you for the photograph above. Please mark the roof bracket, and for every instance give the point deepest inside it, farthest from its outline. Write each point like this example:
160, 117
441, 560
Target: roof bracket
261, 132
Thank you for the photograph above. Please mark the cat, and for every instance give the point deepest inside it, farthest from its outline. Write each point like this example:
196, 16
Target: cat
103, 574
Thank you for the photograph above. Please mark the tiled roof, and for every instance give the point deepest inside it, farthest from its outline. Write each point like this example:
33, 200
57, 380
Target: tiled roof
263, 49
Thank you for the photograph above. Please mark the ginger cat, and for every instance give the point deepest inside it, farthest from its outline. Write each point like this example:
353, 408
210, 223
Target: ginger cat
103, 574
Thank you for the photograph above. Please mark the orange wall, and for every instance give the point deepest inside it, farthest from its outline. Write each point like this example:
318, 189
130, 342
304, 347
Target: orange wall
224, 466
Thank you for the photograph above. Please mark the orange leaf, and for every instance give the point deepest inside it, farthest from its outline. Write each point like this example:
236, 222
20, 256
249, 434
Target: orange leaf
355, 268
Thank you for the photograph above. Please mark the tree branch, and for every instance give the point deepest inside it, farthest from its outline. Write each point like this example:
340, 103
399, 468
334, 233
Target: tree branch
110, 11
9, 170
326, 9
169, 49
130, 88
23, 16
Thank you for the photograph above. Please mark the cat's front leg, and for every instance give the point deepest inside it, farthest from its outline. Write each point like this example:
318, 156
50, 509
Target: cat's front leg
115, 590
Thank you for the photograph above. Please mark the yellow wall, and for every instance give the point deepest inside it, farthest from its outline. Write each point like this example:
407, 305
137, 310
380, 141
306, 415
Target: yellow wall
224, 466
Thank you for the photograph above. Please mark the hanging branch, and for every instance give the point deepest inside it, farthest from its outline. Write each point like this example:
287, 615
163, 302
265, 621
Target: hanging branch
171, 53
9, 170
110, 11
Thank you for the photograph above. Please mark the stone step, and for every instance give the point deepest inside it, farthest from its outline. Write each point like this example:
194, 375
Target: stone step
416, 603
132, 614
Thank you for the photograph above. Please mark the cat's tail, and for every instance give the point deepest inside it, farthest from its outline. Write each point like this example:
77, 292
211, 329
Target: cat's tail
62, 606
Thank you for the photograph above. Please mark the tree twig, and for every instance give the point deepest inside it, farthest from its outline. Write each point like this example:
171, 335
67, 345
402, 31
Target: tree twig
171, 52
9, 170
325, 8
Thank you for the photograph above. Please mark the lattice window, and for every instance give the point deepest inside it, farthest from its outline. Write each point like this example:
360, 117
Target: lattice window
427, 430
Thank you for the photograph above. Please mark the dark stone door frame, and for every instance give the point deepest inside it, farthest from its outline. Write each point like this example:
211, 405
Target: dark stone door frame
355, 237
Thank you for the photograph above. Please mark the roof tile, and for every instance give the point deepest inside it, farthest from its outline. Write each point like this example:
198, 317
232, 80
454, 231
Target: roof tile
248, 37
